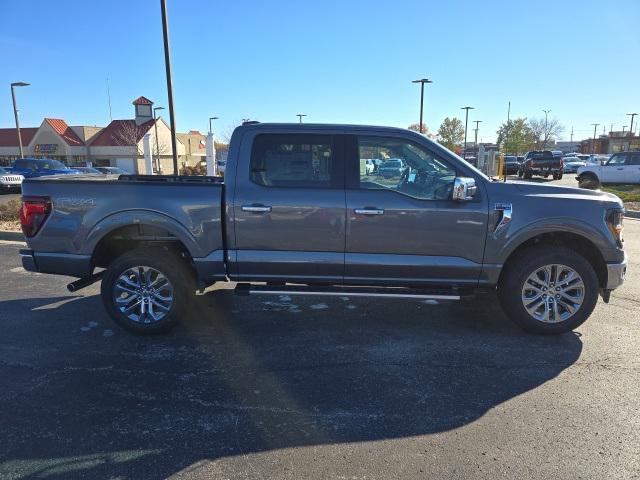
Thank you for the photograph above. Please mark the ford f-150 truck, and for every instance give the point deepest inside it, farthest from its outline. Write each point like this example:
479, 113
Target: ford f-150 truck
297, 214
543, 163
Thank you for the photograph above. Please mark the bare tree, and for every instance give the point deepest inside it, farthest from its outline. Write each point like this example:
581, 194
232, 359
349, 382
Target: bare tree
544, 131
416, 128
225, 136
129, 134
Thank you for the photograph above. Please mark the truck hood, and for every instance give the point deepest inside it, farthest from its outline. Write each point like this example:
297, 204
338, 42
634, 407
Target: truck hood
559, 192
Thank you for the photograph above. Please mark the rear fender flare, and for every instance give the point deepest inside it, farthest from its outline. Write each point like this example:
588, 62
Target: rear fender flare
140, 217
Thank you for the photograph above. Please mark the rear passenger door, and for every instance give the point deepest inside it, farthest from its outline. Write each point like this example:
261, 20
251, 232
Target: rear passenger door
289, 208
632, 168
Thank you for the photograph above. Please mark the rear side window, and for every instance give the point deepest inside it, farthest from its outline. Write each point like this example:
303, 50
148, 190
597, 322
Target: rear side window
289, 160
633, 159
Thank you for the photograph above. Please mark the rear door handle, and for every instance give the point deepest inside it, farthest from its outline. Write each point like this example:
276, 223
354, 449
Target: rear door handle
369, 211
256, 208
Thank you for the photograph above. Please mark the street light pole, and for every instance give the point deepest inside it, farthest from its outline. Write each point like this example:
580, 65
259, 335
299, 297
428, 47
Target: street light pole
15, 112
422, 81
466, 121
546, 127
210, 120
300, 115
631, 127
476, 130
155, 125
593, 147
167, 66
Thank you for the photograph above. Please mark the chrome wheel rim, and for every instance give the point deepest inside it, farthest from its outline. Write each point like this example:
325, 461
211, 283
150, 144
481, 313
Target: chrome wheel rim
143, 294
553, 293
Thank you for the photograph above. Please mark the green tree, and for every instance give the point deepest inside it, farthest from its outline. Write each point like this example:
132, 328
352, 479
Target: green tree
451, 133
516, 136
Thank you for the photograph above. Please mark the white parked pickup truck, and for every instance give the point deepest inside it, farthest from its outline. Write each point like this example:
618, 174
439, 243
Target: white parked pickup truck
623, 167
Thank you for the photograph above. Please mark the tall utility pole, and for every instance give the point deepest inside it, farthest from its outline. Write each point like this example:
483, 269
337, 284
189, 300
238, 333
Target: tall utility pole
476, 130
422, 81
546, 127
155, 125
593, 146
167, 66
211, 119
571, 141
631, 127
466, 122
15, 111
300, 115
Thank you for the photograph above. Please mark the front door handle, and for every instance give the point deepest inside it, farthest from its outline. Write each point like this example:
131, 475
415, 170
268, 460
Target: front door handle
256, 208
369, 211
620, 168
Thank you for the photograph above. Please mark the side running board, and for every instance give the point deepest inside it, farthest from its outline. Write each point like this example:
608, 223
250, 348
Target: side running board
380, 292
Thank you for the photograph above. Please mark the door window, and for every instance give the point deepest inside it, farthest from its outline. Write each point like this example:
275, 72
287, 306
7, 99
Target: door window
633, 159
404, 167
289, 160
616, 160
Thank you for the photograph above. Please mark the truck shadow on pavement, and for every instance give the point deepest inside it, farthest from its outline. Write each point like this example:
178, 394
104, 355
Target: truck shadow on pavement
83, 399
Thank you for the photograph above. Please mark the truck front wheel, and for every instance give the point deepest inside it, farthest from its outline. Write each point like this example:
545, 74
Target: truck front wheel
549, 290
147, 290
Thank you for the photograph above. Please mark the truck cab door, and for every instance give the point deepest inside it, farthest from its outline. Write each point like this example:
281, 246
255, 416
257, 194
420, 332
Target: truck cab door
288, 208
406, 230
632, 168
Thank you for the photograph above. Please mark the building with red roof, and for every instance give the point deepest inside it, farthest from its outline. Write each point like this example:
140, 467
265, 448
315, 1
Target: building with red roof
119, 144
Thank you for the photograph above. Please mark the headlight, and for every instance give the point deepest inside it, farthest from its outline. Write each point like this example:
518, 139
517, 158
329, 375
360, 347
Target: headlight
615, 220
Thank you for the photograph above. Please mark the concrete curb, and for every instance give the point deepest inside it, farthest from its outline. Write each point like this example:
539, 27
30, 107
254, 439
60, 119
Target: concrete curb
11, 236
632, 213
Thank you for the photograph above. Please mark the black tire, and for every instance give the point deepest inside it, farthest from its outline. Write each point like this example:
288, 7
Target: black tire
519, 173
560, 176
168, 264
528, 175
588, 181
513, 280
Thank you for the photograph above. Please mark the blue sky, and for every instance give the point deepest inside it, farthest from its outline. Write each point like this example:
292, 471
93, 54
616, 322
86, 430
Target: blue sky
336, 61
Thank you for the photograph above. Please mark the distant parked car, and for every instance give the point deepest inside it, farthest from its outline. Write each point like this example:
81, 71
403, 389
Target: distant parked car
40, 167
511, 164
393, 167
111, 170
598, 159
541, 162
89, 170
571, 164
9, 181
623, 167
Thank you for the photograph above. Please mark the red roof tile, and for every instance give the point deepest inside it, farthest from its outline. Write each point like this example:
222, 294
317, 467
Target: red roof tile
119, 133
62, 129
9, 136
142, 101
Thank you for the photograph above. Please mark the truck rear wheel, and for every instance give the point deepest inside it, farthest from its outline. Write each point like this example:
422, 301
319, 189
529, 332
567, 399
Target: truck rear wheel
147, 290
549, 290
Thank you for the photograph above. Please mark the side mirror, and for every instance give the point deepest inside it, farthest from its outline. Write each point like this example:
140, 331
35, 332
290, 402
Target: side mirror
464, 189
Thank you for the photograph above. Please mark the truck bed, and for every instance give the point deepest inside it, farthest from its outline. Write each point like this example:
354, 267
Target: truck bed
87, 209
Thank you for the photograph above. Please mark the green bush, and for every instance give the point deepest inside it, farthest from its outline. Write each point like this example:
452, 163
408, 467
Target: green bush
10, 211
627, 193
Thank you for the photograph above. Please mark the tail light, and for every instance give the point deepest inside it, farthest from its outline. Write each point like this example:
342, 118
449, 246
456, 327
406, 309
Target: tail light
561, 163
33, 213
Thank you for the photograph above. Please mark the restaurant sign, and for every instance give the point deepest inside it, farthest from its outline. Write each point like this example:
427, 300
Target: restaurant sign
45, 148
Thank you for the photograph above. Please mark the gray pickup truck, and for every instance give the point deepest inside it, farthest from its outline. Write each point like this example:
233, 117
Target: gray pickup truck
299, 213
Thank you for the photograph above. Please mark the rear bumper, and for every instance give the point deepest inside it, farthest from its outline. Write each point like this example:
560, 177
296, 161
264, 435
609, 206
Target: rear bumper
56, 263
616, 273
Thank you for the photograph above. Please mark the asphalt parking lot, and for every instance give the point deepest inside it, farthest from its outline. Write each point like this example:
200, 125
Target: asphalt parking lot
306, 388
